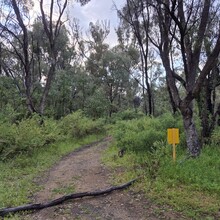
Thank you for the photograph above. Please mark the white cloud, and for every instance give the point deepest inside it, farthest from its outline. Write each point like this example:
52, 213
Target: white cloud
93, 11
97, 10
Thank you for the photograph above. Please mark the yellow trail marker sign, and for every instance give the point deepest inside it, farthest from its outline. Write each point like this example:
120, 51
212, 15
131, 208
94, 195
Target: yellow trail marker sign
173, 138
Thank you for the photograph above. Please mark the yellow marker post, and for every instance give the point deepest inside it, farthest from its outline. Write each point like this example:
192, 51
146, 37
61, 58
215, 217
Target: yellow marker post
173, 138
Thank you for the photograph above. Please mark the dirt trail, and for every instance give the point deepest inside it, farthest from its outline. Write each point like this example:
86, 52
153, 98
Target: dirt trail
83, 171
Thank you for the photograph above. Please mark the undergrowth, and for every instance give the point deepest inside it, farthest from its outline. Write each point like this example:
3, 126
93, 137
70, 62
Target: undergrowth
29, 147
191, 186
16, 176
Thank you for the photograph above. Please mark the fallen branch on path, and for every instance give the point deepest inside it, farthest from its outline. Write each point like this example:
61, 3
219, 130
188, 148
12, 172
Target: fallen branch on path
62, 199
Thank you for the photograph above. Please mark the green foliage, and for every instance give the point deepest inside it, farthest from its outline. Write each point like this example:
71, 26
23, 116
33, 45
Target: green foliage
17, 175
201, 173
76, 125
9, 95
29, 134
7, 139
127, 115
166, 181
97, 105
140, 135
215, 137
8, 114
26, 136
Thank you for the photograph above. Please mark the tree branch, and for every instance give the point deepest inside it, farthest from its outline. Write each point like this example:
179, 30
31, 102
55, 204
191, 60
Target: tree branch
38, 206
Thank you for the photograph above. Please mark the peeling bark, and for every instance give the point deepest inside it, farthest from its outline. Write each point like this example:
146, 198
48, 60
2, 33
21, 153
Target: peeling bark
192, 138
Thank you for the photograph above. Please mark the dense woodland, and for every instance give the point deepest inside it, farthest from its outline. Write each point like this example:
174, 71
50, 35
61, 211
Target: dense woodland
164, 69
166, 59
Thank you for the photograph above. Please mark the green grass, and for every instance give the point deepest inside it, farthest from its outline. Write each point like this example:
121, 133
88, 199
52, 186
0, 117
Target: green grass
63, 190
17, 175
191, 186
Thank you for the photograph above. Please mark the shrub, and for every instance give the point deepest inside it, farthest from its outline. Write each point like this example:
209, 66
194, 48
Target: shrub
29, 134
26, 136
139, 135
77, 125
8, 114
127, 115
7, 139
52, 132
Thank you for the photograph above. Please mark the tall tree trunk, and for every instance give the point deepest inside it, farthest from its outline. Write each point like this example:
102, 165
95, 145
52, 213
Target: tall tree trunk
26, 57
149, 94
47, 88
0, 59
172, 103
52, 29
205, 110
144, 96
192, 138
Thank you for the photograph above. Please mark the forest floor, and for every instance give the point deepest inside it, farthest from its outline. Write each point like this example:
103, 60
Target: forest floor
81, 171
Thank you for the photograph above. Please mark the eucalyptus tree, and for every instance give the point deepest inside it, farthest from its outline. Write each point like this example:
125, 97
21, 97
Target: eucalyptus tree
15, 28
119, 86
111, 68
53, 23
208, 102
52, 28
19, 43
15, 41
179, 32
181, 28
135, 23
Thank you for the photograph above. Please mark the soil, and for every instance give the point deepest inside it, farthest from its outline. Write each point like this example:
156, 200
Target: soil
83, 171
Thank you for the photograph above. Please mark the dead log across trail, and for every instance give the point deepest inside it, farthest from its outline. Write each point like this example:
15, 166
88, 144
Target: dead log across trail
62, 199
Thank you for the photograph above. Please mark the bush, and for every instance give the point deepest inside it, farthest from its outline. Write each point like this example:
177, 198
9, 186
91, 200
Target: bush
77, 125
7, 139
8, 114
52, 132
139, 135
26, 136
127, 115
30, 134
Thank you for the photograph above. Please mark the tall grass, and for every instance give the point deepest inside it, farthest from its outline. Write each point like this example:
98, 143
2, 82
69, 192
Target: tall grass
190, 185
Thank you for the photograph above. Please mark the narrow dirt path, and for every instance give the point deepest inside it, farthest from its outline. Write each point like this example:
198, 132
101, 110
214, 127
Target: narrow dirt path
83, 171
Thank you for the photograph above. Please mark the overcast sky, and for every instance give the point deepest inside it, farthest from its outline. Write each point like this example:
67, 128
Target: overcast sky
98, 10
93, 11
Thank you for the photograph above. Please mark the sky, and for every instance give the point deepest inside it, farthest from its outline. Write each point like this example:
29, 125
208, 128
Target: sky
98, 10
102, 10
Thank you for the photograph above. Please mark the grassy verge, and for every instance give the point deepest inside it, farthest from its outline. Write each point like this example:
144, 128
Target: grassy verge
190, 186
17, 175
187, 186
